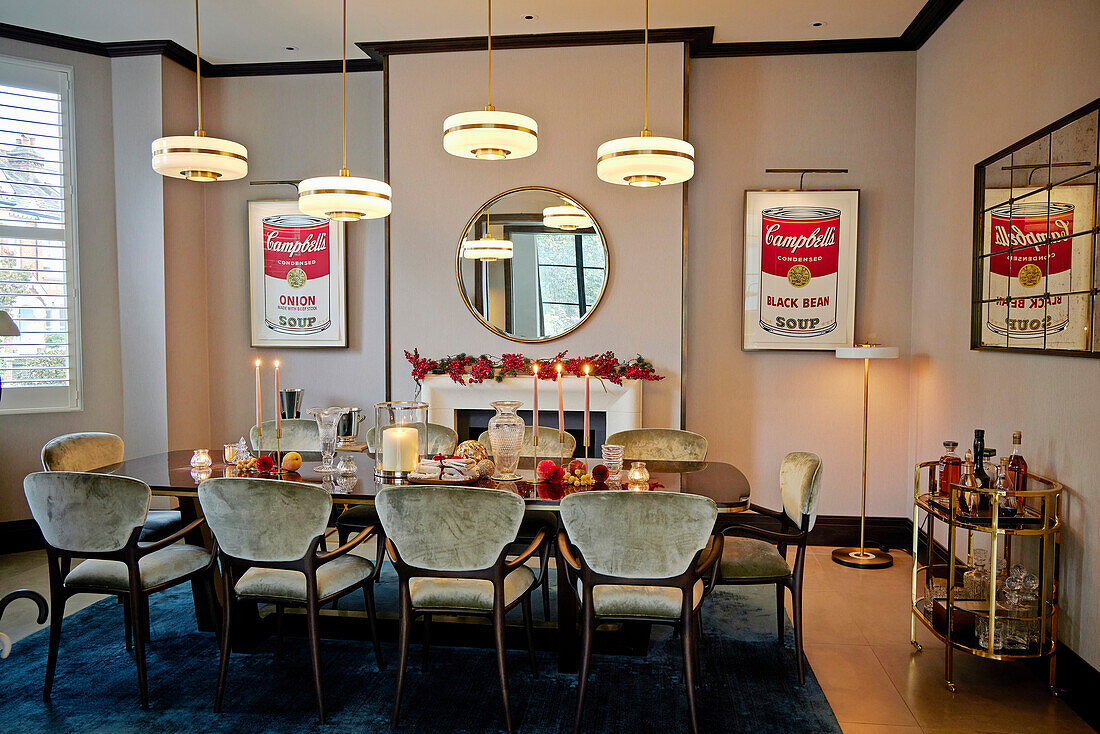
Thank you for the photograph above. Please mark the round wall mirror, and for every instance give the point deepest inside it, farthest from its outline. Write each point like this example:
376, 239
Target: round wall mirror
532, 264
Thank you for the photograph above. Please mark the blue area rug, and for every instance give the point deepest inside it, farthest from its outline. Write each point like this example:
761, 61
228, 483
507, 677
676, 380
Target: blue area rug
749, 682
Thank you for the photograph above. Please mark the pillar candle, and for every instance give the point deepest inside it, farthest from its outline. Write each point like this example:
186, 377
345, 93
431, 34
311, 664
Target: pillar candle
259, 401
278, 408
535, 417
561, 409
400, 449
586, 404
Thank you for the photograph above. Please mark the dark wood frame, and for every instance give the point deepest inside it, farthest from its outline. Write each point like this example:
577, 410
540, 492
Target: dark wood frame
703, 566
496, 574
977, 285
135, 597
307, 565
792, 580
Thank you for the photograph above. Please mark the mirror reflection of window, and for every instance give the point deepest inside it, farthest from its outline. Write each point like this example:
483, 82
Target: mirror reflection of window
571, 277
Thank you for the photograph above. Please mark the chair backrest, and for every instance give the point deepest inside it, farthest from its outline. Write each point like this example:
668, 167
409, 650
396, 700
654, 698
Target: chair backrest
549, 444
799, 485
264, 520
441, 440
86, 513
638, 535
660, 444
449, 528
299, 434
82, 452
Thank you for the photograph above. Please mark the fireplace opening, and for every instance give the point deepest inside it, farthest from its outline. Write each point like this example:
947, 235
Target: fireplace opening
470, 424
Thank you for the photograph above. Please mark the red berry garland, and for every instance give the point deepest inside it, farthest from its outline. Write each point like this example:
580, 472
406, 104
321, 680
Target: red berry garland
463, 368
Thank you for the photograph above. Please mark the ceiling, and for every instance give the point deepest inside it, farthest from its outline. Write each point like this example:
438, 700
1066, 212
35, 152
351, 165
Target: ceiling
254, 31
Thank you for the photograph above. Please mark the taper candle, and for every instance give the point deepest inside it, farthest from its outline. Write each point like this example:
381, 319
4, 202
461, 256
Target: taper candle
586, 404
259, 400
561, 410
535, 417
278, 411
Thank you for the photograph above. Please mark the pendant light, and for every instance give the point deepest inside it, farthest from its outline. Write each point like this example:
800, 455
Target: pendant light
567, 217
489, 134
198, 157
487, 249
646, 160
344, 198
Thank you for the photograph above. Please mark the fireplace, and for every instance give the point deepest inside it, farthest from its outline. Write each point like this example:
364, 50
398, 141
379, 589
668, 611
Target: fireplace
472, 422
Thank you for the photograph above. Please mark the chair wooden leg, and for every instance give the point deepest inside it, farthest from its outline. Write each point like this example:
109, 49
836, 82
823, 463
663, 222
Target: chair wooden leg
57, 614
144, 598
313, 616
403, 652
140, 610
588, 631
227, 635
528, 627
498, 637
426, 642
796, 604
368, 597
779, 611
690, 668
127, 623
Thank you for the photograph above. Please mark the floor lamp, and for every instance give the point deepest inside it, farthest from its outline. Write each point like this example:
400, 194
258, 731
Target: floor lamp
862, 557
7, 328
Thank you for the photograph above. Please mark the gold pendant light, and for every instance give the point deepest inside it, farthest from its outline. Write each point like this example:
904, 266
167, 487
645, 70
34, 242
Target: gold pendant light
646, 160
344, 198
489, 134
198, 157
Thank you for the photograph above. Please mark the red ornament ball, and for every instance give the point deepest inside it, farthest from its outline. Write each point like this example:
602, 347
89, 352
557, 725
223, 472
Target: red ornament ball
546, 468
600, 473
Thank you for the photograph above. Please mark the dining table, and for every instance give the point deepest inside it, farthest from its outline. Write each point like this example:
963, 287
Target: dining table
170, 474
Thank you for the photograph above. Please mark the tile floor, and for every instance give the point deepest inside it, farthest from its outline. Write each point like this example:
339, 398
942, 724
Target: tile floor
857, 640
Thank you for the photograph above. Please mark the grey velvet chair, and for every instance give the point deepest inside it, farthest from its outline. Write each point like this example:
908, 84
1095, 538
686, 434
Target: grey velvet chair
660, 444
762, 559
549, 444
449, 546
299, 434
85, 452
98, 517
441, 440
267, 533
645, 556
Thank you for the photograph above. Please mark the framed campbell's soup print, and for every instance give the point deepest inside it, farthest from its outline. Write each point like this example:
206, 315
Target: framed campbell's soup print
297, 277
1035, 231
800, 269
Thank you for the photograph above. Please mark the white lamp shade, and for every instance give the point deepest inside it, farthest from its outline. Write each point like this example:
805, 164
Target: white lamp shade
199, 158
867, 351
490, 135
567, 217
645, 161
487, 249
344, 198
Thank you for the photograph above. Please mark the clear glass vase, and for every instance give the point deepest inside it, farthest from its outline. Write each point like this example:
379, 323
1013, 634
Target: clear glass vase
506, 433
327, 419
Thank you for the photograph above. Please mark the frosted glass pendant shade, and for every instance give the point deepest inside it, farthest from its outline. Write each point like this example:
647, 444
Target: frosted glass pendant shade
344, 198
490, 135
487, 249
645, 160
199, 158
565, 217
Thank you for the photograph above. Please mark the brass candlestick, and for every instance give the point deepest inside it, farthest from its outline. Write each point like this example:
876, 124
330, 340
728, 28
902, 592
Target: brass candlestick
535, 444
278, 451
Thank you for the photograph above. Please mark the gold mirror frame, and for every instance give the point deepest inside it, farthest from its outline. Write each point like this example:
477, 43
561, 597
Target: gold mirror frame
458, 264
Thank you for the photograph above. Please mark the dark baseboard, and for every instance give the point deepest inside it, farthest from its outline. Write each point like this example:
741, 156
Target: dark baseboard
17, 536
1077, 682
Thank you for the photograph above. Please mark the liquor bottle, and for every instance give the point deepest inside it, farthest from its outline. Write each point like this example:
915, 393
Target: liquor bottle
969, 501
949, 470
989, 463
1017, 471
979, 456
1006, 502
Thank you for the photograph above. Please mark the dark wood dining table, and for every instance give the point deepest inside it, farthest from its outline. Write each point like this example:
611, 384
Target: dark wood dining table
170, 474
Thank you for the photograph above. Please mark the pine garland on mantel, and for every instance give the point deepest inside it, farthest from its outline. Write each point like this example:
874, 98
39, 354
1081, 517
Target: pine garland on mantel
466, 368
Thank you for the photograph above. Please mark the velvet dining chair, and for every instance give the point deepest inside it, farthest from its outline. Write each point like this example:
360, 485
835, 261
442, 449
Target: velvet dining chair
755, 555
267, 533
89, 451
550, 444
639, 556
97, 519
299, 434
660, 444
449, 546
441, 440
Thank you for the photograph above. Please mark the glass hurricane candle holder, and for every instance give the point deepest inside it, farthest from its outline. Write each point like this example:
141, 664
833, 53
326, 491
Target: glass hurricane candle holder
201, 459
400, 439
638, 476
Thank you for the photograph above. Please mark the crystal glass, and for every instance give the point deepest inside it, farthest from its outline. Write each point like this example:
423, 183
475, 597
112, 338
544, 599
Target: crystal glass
201, 475
400, 438
229, 453
347, 467
981, 632
613, 460
326, 426
638, 476
506, 433
201, 459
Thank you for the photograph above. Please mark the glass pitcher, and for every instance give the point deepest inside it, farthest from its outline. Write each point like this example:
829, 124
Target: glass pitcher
327, 418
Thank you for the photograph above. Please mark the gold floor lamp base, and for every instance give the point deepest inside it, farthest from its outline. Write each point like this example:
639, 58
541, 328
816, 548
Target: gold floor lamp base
862, 558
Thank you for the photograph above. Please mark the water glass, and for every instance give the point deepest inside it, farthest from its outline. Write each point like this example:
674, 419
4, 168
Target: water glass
612, 459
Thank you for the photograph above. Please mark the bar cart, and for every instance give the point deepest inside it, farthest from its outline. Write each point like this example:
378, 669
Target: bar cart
994, 613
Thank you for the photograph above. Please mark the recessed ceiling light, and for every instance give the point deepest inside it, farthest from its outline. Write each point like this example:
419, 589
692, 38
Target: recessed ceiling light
818, 24
530, 16
290, 48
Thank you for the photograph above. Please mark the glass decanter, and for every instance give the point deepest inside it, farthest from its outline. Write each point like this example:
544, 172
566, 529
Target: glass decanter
506, 434
949, 470
976, 580
327, 418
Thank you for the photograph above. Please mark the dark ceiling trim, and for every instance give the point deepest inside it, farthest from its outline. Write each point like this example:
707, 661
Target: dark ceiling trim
699, 40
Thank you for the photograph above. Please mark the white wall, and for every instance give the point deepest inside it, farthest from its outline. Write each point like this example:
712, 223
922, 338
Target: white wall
996, 71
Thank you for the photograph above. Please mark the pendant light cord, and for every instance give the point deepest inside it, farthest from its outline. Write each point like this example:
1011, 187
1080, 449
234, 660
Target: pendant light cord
198, 70
645, 123
344, 79
490, 42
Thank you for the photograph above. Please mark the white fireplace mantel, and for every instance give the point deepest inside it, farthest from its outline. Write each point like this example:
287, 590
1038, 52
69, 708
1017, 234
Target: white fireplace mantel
620, 404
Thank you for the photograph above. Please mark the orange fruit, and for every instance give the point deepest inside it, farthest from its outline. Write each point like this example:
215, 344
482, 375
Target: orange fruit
292, 461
